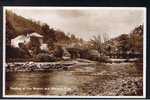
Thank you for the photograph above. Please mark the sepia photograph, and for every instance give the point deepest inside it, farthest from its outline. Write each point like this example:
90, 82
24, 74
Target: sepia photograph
74, 52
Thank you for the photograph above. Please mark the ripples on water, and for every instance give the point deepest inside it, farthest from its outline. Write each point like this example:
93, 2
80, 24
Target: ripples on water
59, 82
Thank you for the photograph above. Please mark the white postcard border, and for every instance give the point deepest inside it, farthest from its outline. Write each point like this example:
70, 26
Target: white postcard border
68, 8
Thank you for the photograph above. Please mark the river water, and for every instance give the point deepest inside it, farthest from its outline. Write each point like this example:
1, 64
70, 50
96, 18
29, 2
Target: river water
58, 83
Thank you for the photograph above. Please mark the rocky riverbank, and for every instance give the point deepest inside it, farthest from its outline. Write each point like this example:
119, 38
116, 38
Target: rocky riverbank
23, 67
45, 66
117, 79
128, 86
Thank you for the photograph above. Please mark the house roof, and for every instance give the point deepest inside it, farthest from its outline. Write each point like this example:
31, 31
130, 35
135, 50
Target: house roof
34, 34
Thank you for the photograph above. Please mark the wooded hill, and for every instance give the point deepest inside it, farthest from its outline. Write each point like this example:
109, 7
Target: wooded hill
17, 25
131, 43
127, 43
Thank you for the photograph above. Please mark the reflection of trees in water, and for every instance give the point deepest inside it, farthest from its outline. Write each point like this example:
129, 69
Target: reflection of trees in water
37, 81
81, 78
10, 80
44, 82
139, 67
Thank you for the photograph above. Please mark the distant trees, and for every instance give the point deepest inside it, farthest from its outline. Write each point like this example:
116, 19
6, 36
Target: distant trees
106, 37
136, 39
10, 31
123, 45
73, 37
45, 29
49, 33
60, 36
17, 25
97, 42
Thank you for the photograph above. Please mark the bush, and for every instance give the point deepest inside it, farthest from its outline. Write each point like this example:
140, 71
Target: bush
58, 52
93, 55
15, 53
45, 57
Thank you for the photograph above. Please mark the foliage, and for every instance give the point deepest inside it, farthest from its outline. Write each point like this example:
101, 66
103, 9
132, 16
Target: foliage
136, 39
58, 52
44, 57
127, 45
57, 39
97, 42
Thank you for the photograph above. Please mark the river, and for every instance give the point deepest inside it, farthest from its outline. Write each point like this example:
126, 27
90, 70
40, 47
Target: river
78, 80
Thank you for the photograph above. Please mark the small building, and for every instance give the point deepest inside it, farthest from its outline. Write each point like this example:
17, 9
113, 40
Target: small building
25, 39
20, 39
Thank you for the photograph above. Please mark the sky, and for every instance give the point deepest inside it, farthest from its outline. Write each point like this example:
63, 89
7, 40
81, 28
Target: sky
85, 22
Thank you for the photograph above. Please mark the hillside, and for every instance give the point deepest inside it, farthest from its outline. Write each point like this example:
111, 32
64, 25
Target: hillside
54, 40
17, 25
127, 43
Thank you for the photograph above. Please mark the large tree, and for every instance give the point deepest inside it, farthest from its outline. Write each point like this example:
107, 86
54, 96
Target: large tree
98, 42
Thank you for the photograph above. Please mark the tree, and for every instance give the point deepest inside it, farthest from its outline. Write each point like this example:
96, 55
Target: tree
49, 33
45, 29
106, 37
98, 41
59, 52
35, 45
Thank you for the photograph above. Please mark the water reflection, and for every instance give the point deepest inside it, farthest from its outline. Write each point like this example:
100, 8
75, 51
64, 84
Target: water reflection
60, 82
40, 83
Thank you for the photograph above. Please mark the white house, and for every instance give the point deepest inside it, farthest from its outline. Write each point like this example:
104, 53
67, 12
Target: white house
20, 39
25, 39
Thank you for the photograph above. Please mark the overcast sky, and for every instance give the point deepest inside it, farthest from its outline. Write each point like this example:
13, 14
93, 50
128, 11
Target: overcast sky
86, 22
